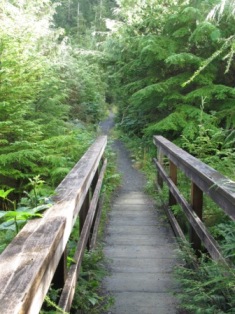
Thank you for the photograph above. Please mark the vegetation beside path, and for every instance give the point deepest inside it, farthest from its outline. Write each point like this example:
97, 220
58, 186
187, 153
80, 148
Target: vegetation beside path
167, 65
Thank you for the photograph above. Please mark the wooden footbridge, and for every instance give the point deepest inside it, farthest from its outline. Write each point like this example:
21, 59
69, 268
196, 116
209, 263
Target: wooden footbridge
139, 242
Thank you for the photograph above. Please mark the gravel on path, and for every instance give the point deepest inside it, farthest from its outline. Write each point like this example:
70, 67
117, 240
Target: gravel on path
132, 179
139, 244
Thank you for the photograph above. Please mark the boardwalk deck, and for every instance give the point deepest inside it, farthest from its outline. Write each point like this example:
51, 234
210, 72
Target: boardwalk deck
140, 246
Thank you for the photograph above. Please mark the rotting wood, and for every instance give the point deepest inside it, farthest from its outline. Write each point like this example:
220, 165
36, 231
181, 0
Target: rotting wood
28, 264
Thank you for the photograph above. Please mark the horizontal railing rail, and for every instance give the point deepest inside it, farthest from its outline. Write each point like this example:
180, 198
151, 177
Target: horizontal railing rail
37, 256
204, 179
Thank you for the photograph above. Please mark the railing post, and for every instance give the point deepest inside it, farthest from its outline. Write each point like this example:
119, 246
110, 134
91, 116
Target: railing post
160, 160
173, 176
93, 186
197, 204
83, 213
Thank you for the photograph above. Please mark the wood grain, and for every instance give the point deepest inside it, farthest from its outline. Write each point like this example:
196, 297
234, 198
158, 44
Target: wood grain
198, 226
210, 181
70, 284
28, 264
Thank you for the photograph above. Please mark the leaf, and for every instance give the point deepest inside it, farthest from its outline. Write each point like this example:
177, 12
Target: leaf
2, 213
4, 194
8, 225
93, 300
215, 35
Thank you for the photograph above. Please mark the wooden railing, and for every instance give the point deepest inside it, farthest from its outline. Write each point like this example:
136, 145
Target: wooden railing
204, 179
37, 256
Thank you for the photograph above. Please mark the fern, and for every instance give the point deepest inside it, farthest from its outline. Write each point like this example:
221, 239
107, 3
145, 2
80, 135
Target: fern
183, 59
227, 114
184, 121
218, 92
205, 31
205, 288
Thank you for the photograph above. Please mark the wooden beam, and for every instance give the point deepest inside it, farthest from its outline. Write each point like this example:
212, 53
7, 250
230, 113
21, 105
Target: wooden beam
96, 225
28, 264
70, 284
210, 181
197, 204
209, 242
173, 176
160, 157
30, 260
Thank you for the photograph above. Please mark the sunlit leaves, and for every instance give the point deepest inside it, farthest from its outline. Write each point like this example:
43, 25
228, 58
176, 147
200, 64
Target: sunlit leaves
40, 79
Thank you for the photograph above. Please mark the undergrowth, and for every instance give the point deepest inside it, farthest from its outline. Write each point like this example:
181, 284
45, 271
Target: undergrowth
89, 297
207, 286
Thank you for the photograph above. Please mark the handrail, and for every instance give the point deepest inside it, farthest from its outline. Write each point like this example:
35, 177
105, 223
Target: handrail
204, 180
37, 255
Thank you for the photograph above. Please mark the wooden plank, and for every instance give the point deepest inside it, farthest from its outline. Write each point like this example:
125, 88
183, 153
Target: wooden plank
197, 205
160, 157
23, 265
210, 181
209, 242
173, 221
70, 284
83, 213
175, 225
76, 181
173, 176
96, 225
28, 264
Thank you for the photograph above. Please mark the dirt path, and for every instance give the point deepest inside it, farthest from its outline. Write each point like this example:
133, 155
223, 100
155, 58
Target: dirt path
132, 179
139, 244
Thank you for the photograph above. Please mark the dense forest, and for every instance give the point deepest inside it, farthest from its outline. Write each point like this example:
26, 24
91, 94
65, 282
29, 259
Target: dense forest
172, 72
167, 65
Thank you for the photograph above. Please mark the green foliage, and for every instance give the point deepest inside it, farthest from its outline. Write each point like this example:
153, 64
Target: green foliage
207, 287
45, 82
14, 216
153, 66
185, 121
87, 297
50, 306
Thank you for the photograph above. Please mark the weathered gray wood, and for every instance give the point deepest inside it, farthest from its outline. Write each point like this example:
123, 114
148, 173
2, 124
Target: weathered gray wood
210, 181
175, 225
173, 221
160, 157
209, 242
83, 172
28, 264
24, 263
93, 186
70, 284
96, 225
83, 213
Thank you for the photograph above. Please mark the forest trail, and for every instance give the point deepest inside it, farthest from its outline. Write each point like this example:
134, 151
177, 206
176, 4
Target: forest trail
139, 244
